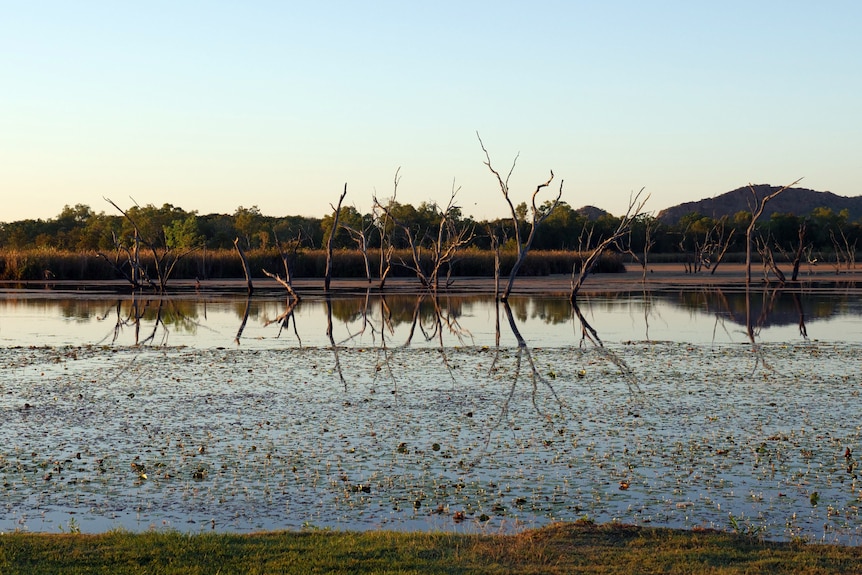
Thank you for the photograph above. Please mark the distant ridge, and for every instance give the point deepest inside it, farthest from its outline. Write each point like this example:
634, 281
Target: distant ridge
798, 201
592, 212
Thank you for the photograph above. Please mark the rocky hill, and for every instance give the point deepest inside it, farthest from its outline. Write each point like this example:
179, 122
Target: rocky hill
592, 212
799, 201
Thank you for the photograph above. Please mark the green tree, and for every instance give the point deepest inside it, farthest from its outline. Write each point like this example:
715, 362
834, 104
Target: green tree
248, 222
184, 233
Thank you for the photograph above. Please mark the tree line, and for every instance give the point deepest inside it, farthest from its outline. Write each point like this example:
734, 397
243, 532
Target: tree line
80, 228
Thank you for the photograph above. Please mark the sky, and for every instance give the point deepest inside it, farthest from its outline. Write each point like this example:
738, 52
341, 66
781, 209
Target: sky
211, 105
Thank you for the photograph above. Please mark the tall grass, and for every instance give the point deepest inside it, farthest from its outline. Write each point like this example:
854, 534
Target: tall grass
47, 264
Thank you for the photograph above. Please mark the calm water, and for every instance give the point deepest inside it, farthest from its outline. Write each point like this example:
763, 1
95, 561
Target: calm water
269, 322
219, 412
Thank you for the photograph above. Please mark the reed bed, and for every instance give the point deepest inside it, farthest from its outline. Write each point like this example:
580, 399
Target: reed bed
51, 264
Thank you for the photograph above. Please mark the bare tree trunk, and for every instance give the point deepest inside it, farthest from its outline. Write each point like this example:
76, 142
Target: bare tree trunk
635, 207
386, 247
444, 247
756, 213
287, 282
800, 250
245, 267
495, 246
328, 276
247, 309
538, 216
360, 237
768, 259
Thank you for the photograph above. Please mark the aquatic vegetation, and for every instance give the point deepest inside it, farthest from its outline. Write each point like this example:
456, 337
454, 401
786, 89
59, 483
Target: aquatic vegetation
239, 440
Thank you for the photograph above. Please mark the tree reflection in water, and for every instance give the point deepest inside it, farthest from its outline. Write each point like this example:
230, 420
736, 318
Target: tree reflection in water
161, 311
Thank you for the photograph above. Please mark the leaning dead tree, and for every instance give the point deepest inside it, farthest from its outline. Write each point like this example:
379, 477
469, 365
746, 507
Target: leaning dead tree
245, 268
337, 212
588, 264
537, 216
756, 212
287, 282
767, 259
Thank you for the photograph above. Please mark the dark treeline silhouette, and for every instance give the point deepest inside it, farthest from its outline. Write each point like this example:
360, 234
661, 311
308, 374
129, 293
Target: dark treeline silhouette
80, 228
820, 235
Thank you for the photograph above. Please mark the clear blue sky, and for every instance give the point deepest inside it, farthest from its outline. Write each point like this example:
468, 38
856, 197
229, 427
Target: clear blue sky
210, 105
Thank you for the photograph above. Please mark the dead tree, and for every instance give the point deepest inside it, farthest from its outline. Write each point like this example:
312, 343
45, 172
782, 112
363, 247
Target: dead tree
768, 260
381, 220
449, 239
709, 252
247, 309
636, 205
756, 212
164, 257
800, 250
537, 216
845, 252
245, 267
136, 272
690, 260
287, 282
360, 236
337, 213
495, 247
719, 242
652, 226
284, 319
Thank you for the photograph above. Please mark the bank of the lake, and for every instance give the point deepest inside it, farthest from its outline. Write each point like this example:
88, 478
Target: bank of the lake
561, 548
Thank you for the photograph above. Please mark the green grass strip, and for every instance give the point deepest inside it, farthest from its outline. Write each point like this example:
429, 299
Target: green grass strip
562, 548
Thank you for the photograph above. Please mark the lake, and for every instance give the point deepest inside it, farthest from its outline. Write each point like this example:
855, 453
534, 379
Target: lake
213, 318
711, 407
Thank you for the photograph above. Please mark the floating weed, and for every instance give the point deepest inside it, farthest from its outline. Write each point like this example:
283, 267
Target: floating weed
687, 439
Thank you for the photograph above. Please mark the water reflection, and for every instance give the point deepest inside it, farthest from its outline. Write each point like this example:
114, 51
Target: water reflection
549, 410
374, 319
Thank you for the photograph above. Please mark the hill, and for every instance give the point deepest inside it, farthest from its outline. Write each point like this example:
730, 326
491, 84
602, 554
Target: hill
798, 201
592, 212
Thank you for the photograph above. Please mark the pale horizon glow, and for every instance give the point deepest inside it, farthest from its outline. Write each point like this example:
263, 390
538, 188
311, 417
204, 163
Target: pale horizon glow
213, 105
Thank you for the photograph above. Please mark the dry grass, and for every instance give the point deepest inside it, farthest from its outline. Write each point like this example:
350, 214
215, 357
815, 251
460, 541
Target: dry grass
41, 264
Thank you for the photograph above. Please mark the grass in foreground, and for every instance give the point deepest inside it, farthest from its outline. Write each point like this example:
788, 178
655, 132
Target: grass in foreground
563, 548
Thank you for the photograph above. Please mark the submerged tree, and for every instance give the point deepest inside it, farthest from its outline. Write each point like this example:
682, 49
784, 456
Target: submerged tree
336, 210
444, 244
537, 215
168, 245
756, 209
635, 208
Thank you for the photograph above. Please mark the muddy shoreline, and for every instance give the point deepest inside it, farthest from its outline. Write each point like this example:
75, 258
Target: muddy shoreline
658, 277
